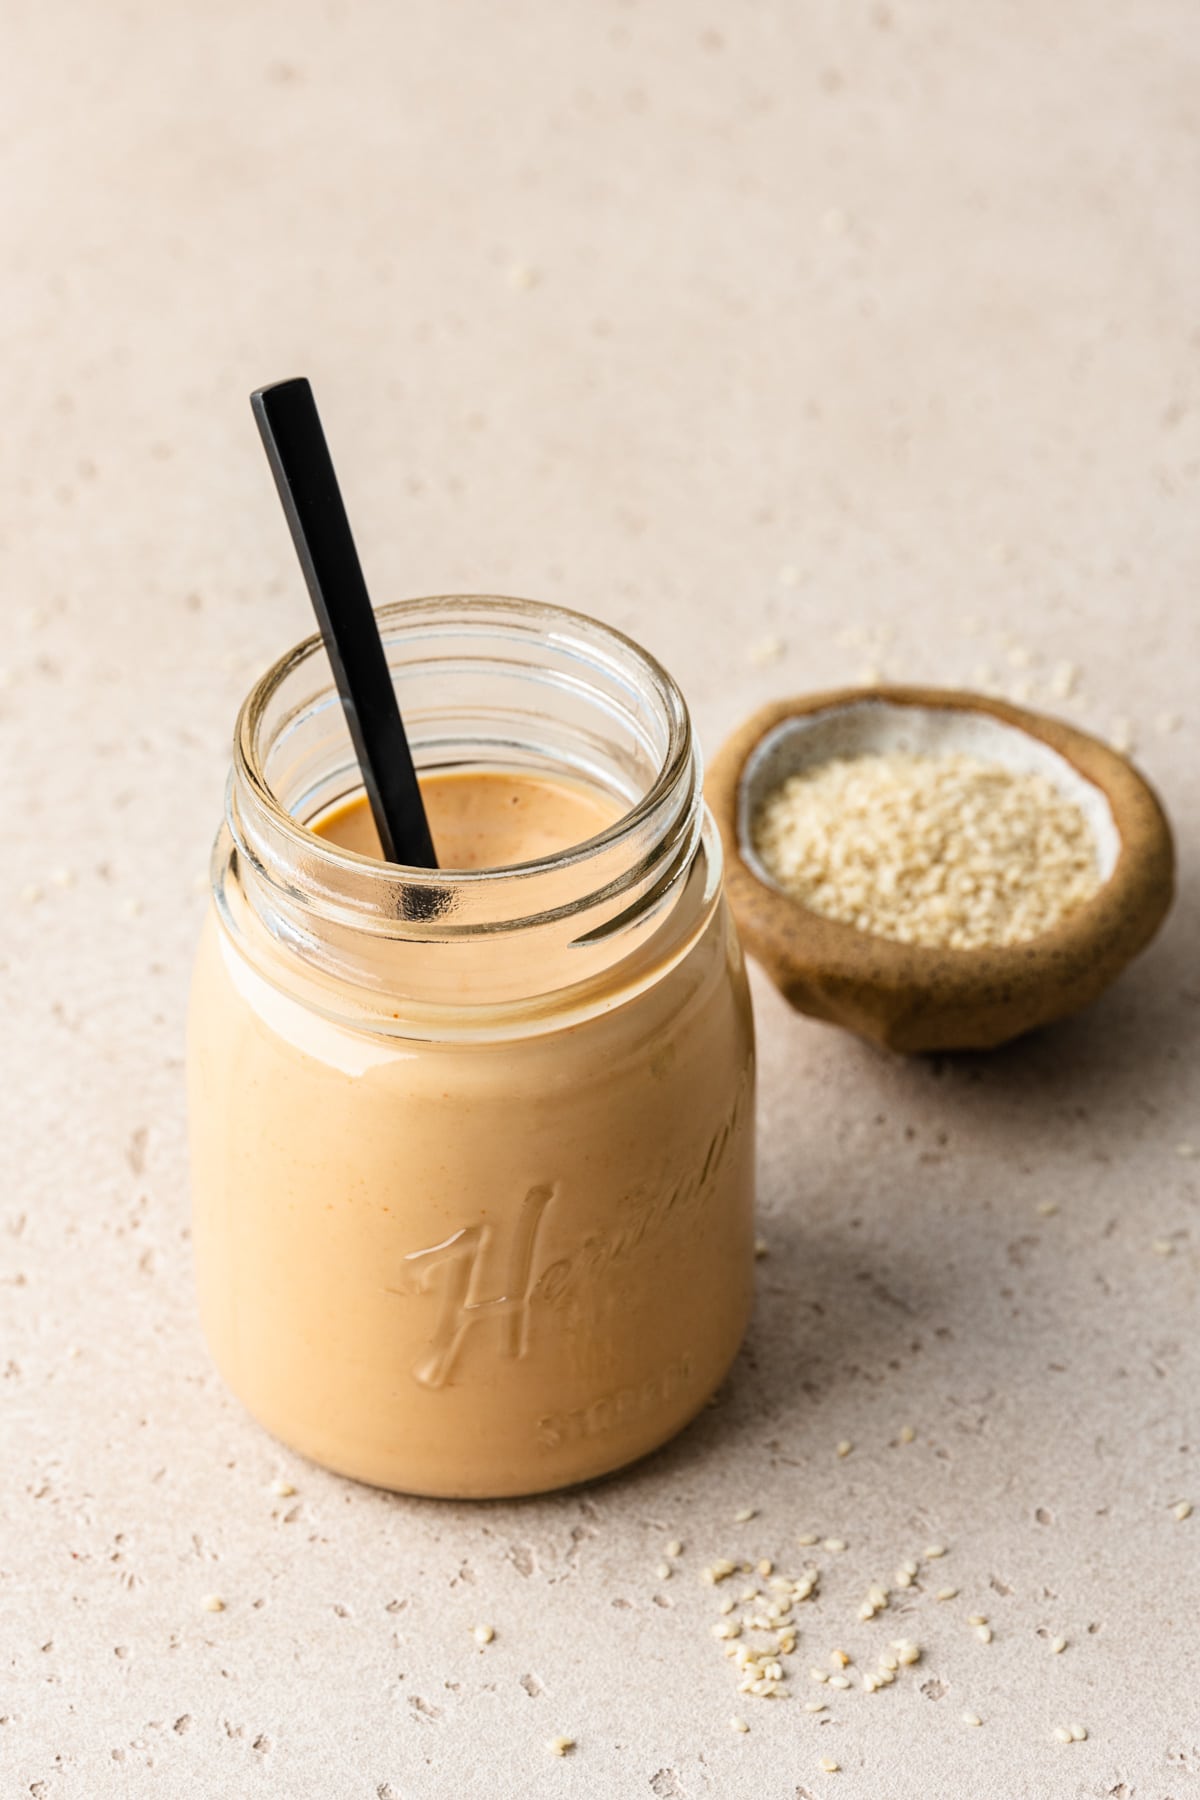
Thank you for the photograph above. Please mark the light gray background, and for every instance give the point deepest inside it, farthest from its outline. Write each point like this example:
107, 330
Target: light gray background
728, 324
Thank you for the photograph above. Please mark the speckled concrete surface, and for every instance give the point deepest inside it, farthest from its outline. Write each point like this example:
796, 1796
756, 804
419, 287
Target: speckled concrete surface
829, 335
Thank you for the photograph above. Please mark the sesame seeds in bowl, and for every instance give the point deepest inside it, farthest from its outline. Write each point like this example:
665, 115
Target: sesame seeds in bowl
936, 869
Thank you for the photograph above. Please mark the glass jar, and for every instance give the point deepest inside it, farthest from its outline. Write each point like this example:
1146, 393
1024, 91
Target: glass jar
473, 1152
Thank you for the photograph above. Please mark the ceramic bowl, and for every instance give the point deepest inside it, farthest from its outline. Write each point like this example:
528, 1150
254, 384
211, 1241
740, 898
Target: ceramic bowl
909, 997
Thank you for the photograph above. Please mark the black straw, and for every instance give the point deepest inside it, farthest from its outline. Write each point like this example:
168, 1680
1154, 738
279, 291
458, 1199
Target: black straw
303, 469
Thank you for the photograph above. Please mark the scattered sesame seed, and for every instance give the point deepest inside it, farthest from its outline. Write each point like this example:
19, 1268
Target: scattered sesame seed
947, 1594
984, 1633
765, 1567
765, 650
907, 1434
31, 893
283, 1488
1047, 1208
664, 1571
845, 1447
933, 1551
888, 1663
1121, 736
970, 1718
877, 1597
744, 1514
834, 1545
63, 878
819, 1674
829, 1765
1057, 1646
1162, 1247
483, 1634
559, 1746
839, 1659
1186, 1150
212, 1603
839, 1681
902, 1578
908, 1653
976, 1618
728, 1603
761, 1247
736, 1724
1063, 1733
1182, 1510
1078, 1734
728, 1628
522, 278
866, 1612
814, 1706
674, 1548
808, 1537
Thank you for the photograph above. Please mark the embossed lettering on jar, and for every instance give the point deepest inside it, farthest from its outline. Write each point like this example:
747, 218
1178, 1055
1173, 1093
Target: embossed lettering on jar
473, 1149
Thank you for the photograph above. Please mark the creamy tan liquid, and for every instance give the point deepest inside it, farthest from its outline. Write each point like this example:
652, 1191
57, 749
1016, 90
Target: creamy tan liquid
476, 1267
486, 819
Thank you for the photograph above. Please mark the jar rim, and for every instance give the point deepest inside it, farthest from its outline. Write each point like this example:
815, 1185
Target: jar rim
537, 618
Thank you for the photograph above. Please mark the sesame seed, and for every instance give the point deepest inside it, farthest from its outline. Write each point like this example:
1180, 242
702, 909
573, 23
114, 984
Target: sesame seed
1057, 1646
212, 1603
727, 1605
829, 1766
908, 1654
483, 1634
807, 1538
866, 1612
845, 1447
1063, 1733
941, 851
907, 1434
1078, 1734
559, 1746
736, 1724
839, 1659
902, 1578
814, 1706
839, 1681
933, 1551
888, 1663
834, 1545
283, 1488
1186, 1150
674, 1548
761, 1247
764, 651
664, 1571
970, 1718
1162, 1247
947, 1594
1182, 1510
728, 1628
984, 1633
976, 1618
744, 1514
909, 1566
819, 1674
1047, 1208
765, 1566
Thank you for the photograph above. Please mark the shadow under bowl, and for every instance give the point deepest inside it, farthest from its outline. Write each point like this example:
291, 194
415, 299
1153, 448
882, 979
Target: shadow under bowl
910, 997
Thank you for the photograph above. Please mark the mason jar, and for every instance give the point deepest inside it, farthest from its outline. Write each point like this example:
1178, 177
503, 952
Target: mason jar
473, 1150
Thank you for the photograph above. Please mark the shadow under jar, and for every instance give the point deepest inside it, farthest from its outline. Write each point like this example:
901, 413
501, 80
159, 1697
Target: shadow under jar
473, 1151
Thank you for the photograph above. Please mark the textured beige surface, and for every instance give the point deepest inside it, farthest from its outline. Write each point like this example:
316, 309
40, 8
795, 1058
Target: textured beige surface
634, 306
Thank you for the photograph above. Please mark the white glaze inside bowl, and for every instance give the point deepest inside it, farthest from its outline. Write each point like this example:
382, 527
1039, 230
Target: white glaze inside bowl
869, 727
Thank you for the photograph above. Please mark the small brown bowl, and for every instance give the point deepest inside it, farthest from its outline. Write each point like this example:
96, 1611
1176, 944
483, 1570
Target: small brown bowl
906, 996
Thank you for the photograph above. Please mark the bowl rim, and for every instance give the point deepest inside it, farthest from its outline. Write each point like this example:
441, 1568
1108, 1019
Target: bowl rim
1122, 915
